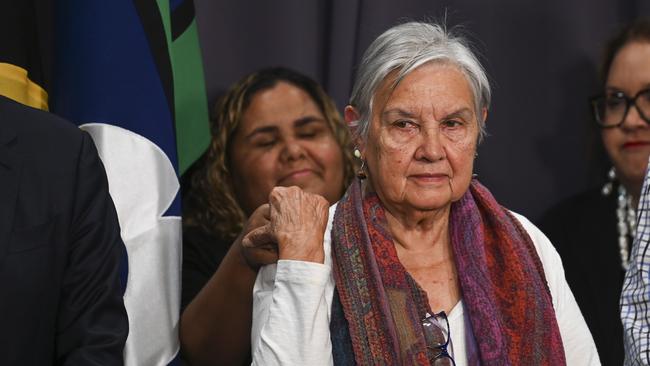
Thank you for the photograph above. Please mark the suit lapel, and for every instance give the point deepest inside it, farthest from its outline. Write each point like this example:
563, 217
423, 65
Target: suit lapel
9, 175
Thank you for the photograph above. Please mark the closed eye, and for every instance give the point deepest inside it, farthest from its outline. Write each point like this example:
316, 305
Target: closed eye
310, 132
307, 134
310, 127
264, 142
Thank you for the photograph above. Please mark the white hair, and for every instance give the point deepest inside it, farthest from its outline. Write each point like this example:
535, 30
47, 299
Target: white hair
406, 47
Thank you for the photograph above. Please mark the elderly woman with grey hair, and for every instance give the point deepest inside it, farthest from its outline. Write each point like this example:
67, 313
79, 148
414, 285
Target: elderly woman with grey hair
417, 264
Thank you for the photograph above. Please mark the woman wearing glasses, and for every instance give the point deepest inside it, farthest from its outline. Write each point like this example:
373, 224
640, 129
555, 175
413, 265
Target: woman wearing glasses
417, 264
593, 232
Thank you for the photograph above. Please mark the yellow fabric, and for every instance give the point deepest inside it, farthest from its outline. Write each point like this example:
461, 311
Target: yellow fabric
15, 84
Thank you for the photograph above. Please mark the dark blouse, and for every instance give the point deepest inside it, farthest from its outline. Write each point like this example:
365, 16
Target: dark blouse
584, 232
202, 254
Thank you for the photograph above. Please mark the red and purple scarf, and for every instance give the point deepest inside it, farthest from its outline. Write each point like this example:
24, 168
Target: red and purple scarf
501, 278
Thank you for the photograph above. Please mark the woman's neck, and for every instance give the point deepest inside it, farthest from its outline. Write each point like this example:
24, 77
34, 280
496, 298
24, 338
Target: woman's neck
423, 247
418, 230
415, 230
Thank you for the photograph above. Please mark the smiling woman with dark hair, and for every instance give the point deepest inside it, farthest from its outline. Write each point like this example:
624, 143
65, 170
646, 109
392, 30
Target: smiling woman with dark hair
275, 127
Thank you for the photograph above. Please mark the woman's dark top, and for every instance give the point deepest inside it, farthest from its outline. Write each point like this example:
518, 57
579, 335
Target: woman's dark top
202, 254
584, 232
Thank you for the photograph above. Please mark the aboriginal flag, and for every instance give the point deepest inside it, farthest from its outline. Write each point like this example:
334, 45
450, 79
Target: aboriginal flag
129, 72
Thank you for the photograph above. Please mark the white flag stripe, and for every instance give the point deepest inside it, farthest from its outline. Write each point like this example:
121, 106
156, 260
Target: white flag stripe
143, 184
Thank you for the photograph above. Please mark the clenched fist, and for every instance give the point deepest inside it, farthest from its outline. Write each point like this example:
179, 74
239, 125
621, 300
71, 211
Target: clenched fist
298, 221
257, 241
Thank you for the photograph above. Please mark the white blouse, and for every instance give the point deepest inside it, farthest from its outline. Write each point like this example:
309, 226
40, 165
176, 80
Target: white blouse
292, 307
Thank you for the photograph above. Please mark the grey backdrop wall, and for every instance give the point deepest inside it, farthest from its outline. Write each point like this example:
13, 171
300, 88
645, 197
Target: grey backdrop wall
542, 58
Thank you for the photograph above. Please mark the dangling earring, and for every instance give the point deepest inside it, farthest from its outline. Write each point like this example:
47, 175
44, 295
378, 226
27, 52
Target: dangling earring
475, 175
609, 186
361, 173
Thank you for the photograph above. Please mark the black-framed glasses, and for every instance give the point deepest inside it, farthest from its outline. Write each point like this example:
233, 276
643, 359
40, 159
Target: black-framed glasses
611, 109
438, 333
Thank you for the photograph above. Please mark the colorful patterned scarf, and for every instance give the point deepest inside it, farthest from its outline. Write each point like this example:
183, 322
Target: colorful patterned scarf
501, 278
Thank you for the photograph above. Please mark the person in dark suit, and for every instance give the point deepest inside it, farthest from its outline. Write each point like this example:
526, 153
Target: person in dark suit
60, 246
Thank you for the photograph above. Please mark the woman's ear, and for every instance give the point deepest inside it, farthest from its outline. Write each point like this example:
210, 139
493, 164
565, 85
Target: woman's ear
351, 116
485, 114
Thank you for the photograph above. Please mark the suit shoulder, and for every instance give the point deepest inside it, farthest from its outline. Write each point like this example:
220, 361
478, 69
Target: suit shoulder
31, 123
39, 131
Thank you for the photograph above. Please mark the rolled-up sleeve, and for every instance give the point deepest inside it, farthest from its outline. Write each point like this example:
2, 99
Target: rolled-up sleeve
291, 314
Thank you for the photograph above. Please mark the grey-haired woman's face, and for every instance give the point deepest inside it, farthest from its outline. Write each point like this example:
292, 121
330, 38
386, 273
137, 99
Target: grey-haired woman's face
422, 139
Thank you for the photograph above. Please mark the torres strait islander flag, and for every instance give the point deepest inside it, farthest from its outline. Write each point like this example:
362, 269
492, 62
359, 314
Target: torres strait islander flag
129, 72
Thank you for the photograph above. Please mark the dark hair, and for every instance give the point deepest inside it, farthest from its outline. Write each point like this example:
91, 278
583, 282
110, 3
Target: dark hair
639, 30
212, 204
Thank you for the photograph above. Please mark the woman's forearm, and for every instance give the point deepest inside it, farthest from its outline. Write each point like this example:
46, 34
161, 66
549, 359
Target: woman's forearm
215, 326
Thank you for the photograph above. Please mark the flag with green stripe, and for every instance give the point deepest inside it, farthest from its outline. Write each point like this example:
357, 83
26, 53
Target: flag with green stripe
129, 72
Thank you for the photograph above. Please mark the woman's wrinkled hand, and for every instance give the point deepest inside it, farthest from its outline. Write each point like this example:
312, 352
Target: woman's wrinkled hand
297, 222
258, 245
